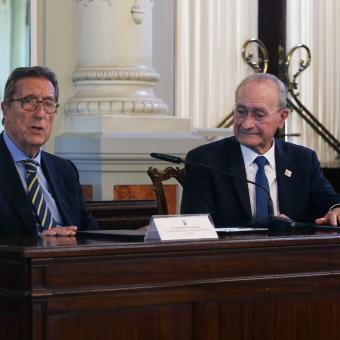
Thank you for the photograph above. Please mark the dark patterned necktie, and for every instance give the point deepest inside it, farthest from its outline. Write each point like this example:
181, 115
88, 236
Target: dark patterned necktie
262, 199
35, 192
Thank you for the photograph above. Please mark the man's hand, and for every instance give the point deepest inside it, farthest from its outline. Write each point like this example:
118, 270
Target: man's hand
331, 218
61, 231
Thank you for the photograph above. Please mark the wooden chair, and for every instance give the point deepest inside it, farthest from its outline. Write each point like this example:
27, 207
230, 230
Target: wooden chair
158, 177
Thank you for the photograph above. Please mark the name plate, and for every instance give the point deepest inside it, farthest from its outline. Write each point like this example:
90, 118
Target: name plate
180, 227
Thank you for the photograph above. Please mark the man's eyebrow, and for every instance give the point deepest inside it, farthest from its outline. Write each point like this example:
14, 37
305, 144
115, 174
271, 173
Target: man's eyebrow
257, 108
49, 97
260, 108
29, 96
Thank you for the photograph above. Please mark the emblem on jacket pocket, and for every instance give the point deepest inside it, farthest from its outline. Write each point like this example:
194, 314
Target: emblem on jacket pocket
288, 173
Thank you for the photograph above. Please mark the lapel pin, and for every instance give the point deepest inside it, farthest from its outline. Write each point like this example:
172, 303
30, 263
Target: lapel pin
288, 173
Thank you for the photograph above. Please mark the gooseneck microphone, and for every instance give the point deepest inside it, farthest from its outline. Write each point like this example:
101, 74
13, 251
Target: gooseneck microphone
167, 158
178, 160
273, 223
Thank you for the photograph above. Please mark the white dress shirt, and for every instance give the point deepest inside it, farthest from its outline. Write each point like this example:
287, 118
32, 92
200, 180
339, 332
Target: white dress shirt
251, 168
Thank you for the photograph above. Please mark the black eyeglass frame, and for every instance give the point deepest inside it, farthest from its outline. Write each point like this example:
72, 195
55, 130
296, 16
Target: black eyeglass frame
22, 100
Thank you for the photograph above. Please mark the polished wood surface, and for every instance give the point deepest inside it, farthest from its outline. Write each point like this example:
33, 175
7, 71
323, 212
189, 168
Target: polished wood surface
239, 287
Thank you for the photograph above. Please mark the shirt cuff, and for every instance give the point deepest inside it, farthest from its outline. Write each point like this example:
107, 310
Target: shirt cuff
334, 206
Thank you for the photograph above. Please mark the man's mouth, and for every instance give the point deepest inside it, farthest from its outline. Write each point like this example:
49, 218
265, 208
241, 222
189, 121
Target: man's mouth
248, 133
37, 128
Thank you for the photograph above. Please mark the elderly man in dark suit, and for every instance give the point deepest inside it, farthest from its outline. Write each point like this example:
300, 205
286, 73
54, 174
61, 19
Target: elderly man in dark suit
290, 173
39, 192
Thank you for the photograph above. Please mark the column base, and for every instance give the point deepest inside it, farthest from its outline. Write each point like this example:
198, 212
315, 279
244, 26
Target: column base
121, 122
108, 160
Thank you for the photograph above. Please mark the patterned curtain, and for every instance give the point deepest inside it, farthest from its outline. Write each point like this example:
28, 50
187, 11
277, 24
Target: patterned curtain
208, 62
315, 23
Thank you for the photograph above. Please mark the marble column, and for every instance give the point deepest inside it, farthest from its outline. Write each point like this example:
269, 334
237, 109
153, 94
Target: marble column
115, 120
115, 78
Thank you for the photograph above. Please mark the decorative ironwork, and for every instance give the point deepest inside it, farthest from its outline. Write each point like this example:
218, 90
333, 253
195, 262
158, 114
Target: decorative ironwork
292, 84
258, 65
261, 64
227, 121
294, 103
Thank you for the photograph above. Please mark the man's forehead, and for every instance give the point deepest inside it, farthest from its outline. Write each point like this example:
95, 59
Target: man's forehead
263, 84
258, 93
35, 84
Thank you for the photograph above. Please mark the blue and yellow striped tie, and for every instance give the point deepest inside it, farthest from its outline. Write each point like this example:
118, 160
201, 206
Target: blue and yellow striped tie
35, 192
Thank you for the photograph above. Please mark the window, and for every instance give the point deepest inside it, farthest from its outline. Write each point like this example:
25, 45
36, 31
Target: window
14, 37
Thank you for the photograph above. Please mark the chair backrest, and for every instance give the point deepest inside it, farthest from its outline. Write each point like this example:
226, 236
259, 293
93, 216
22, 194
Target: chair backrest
158, 177
131, 214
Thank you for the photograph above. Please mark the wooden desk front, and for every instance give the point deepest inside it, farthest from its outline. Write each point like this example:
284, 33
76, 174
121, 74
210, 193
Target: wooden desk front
241, 287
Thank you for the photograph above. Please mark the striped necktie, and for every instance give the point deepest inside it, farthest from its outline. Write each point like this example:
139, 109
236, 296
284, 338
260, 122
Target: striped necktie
35, 192
261, 196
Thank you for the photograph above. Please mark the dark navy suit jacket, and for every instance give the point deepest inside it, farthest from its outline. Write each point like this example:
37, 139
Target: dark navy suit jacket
303, 196
16, 214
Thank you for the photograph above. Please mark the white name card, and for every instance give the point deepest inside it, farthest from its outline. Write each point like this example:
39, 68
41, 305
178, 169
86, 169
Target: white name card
180, 227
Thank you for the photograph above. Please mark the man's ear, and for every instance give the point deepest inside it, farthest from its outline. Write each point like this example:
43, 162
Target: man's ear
283, 115
4, 109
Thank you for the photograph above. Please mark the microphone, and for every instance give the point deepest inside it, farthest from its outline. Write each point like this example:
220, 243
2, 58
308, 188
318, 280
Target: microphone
167, 158
272, 222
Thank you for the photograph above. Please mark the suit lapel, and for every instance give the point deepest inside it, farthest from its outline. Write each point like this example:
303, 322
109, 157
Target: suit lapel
284, 179
236, 168
11, 185
57, 185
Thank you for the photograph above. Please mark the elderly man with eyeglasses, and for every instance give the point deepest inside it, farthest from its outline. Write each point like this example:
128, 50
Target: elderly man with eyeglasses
40, 193
289, 181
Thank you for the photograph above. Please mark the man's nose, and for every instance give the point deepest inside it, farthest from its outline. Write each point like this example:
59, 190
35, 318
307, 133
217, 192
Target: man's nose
40, 110
248, 121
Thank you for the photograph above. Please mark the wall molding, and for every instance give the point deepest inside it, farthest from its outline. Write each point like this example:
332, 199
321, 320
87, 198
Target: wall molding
87, 2
110, 74
112, 106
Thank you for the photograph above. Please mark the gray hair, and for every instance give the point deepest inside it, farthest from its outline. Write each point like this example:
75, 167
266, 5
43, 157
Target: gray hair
25, 72
263, 77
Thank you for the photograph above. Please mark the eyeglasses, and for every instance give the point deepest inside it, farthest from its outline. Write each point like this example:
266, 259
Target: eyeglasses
31, 104
259, 115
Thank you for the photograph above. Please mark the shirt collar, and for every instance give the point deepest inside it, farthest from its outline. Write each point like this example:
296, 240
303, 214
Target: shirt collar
249, 155
17, 154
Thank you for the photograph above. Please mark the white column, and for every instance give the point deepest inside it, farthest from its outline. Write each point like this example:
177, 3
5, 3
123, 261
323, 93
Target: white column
115, 120
115, 78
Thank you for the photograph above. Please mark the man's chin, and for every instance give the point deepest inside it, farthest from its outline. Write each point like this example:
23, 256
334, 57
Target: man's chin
36, 143
250, 142
37, 139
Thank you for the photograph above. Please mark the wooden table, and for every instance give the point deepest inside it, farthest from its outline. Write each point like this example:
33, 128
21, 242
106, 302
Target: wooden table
239, 287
